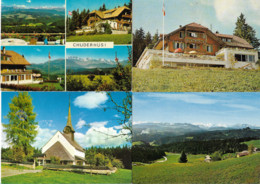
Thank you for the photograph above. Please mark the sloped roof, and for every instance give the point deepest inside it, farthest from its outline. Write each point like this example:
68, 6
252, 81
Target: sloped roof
114, 12
196, 25
73, 143
58, 150
15, 58
236, 41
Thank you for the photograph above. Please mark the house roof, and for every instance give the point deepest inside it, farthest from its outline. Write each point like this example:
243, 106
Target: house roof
15, 58
110, 13
236, 41
196, 25
73, 143
58, 150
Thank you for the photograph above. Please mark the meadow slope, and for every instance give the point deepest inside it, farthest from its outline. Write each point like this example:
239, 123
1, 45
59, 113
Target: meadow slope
195, 80
233, 170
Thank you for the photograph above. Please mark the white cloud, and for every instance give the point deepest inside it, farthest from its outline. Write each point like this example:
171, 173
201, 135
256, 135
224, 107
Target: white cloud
116, 116
242, 107
91, 100
228, 11
80, 124
101, 136
43, 136
98, 124
19, 6
28, 1
188, 98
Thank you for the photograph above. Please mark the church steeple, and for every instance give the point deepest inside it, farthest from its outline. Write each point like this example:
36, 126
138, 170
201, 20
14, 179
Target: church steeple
69, 128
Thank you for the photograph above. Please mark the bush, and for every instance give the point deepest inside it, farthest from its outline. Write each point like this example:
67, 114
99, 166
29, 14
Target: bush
91, 77
117, 163
55, 160
216, 156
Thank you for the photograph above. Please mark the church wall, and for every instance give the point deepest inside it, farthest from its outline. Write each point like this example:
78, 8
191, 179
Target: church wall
79, 153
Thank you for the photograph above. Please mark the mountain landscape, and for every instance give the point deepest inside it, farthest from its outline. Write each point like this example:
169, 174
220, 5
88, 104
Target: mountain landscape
76, 65
57, 67
165, 133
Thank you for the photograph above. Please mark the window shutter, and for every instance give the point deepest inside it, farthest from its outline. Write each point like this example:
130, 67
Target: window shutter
173, 43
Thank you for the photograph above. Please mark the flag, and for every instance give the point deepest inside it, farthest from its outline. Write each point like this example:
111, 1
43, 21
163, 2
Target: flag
163, 10
70, 13
49, 55
116, 59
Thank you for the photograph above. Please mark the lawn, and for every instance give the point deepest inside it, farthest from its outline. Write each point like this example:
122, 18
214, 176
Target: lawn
61, 177
235, 170
116, 38
256, 143
195, 80
57, 86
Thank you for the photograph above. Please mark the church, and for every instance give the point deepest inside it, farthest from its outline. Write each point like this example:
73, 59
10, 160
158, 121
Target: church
63, 146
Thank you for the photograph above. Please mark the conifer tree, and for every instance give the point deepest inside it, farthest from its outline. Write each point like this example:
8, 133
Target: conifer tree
22, 127
183, 158
243, 30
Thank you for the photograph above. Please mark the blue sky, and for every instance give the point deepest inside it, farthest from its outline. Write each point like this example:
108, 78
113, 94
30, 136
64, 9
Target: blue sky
39, 54
86, 109
122, 53
221, 14
34, 3
209, 109
93, 4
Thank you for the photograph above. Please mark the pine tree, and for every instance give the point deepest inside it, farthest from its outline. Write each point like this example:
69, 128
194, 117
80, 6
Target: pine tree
148, 38
245, 31
22, 128
183, 158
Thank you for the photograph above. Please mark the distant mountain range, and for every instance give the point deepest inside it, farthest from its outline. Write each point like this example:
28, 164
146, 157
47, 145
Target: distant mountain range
76, 64
165, 133
53, 10
57, 67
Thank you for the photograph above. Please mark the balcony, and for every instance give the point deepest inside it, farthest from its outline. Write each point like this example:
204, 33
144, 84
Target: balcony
15, 71
127, 16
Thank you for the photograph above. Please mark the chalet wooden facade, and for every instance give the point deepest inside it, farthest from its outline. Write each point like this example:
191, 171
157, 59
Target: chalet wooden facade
13, 68
119, 18
64, 147
204, 48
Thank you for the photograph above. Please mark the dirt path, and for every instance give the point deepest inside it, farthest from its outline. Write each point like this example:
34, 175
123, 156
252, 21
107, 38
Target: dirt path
165, 159
12, 172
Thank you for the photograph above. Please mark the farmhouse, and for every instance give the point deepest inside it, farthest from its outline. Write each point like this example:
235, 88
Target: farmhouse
207, 158
13, 69
196, 45
120, 19
243, 153
64, 147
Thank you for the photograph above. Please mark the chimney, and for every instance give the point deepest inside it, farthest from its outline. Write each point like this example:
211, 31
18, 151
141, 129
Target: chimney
180, 25
23, 56
217, 32
4, 49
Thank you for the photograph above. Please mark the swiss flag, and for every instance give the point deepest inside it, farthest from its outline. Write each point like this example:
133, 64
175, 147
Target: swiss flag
70, 13
49, 55
163, 10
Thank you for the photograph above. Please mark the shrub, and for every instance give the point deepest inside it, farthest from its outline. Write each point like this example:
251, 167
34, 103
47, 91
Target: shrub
117, 163
55, 160
216, 156
91, 77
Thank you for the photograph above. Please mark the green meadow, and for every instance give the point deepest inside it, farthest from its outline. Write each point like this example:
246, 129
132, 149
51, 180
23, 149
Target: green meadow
195, 80
256, 143
234, 170
116, 38
61, 177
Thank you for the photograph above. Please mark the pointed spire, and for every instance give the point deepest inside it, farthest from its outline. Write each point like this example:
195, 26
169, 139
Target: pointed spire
69, 124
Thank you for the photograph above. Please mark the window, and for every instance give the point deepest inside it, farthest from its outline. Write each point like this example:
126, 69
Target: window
244, 58
209, 48
181, 34
13, 77
178, 45
191, 34
192, 46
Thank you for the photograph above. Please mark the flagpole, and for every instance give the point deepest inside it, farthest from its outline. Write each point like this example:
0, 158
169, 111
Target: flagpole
163, 30
49, 69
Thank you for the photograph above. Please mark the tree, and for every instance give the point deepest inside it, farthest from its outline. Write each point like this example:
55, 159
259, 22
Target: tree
138, 44
21, 130
243, 30
148, 38
183, 158
251, 149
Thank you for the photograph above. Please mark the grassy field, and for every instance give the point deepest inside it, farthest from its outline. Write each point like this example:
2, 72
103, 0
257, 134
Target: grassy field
234, 170
256, 143
56, 85
117, 39
195, 80
60, 177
